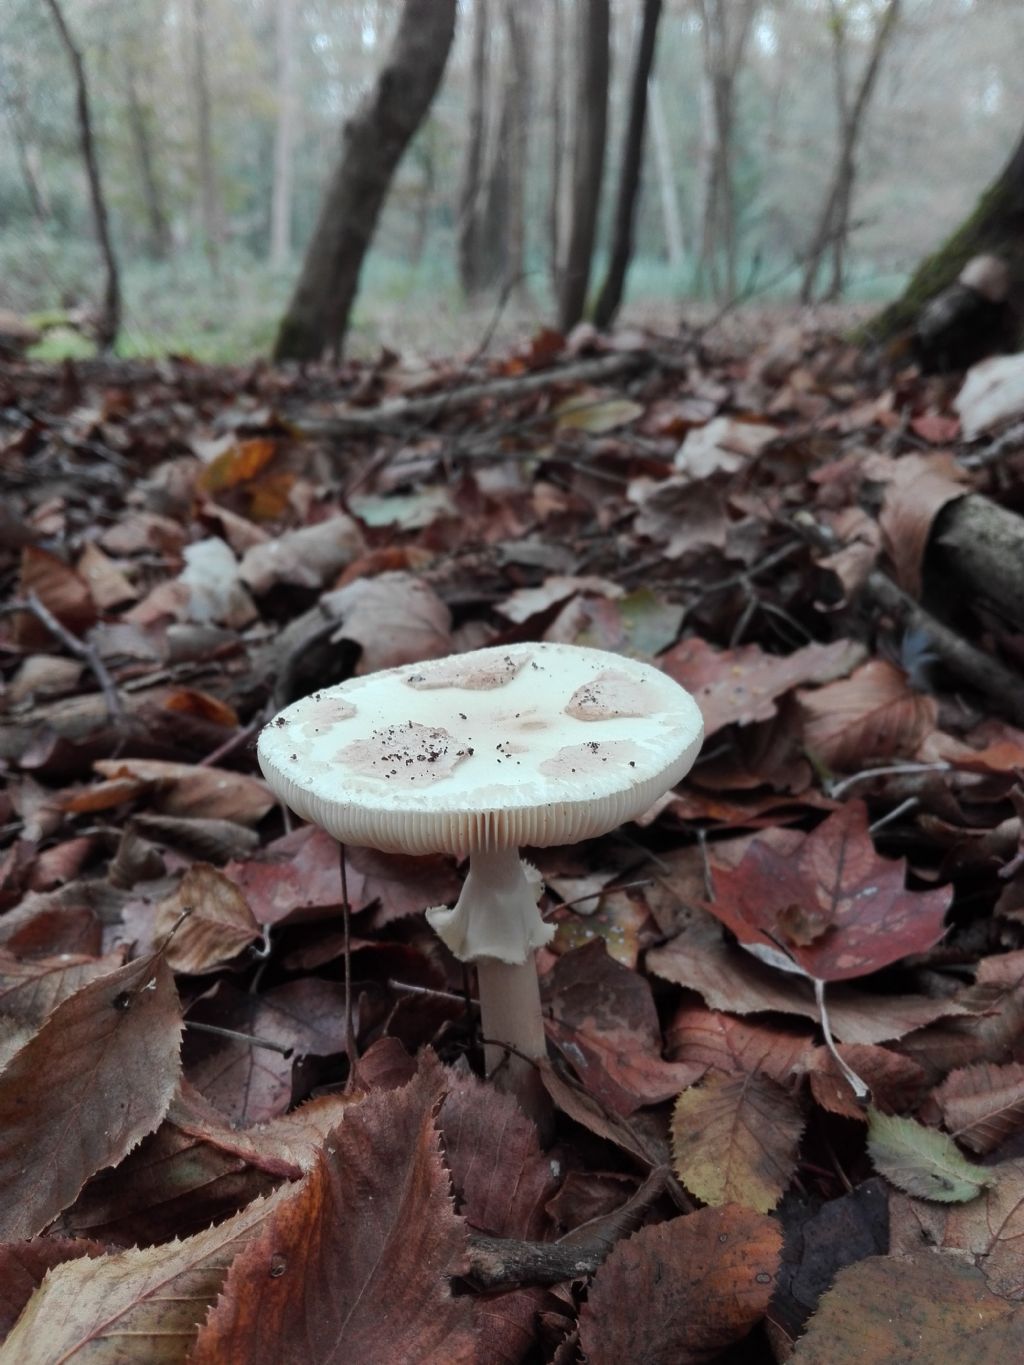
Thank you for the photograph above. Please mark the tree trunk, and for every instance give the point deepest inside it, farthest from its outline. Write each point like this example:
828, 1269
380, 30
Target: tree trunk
834, 220
110, 313
557, 75
284, 137
675, 239
996, 225
610, 297
212, 213
588, 156
373, 143
725, 28
28, 156
469, 226
519, 110
159, 228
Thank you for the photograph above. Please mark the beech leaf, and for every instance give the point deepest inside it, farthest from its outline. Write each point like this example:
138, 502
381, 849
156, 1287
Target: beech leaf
922, 1161
735, 1139
97, 1077
931, 1306
679, 1292
218, 922
873, 714
355, 1265
854, 913
983, 1105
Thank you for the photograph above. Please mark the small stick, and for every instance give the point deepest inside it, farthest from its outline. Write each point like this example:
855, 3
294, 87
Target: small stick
859, 1087
233, 742
79, 649
237, 1037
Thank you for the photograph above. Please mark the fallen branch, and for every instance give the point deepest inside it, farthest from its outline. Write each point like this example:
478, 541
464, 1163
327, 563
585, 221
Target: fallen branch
426, 409
85, 652
502, 1263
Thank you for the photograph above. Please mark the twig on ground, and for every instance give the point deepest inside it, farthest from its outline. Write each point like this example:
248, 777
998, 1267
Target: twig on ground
79, 648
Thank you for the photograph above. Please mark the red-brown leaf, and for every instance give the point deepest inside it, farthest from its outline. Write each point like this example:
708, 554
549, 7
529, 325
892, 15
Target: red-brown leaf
983, 1105
678, 1293
217, 926
873, 714
355, 1265
79, 1095
861, 915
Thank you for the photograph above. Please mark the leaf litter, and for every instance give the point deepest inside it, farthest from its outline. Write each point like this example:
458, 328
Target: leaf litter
196, 1148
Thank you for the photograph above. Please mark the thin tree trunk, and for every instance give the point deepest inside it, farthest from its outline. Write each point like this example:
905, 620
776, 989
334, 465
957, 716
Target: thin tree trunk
725, 28
110, 313
284, 137
212, 213
675, 239
557, 147
28, 157
995, 225
588, 156
373, 143
159, 228
519, 110
469, 226
610, 297
834, 220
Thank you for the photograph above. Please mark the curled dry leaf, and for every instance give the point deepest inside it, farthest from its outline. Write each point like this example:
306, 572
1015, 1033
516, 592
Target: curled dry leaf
920, 487
836, 908
875, 714
187, 790
740, 686
154, 1297
679, 1292
218, 923
983, 1105
396, 618
61, 590
735, 1140
926, 1307
355, 1264
80, 1094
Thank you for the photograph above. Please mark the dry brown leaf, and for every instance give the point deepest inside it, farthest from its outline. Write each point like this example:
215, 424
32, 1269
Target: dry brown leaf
30, 990
735, 1140
60, 589
921, 486
80, 1094
396, 618
928, 1307
23, 1266
983, 1105
895, 1082
679, 1292
355, 1264
185, 789
218, 923
108, 584
709, 1038
740, 686
135, 1305
871, 715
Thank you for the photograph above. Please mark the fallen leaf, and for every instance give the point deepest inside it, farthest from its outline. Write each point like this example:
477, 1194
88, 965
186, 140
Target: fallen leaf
711, 1039
921, 486
96, 1078
983, 1105
396, 618
309, 557
187, 790
109, 586
895, 1082
679, 1292
60, 589
871, 715
155, 1298
922, 1161
932, 1307
735, 1140
992, 393
218, 923
740, 686
864, 917
725, 445
355, 1264
596, 415
23, 1266
30, 990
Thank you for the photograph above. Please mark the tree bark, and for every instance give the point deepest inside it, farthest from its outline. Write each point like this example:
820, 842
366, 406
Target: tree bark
519, 109
834, 220
996, 225
212, 212
374, 141
610, 297
557, 148
588, 156
110, 313
675, 238
982, 546
469, 225
152, 194
725, 28
284, 137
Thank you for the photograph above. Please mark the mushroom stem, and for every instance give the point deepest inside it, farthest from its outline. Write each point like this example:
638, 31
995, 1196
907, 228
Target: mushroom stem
510, 1013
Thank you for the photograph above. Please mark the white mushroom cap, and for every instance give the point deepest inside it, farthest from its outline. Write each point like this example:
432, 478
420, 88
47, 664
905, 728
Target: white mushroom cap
529, 744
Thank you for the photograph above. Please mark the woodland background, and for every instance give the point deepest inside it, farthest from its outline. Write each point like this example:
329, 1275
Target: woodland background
216, 122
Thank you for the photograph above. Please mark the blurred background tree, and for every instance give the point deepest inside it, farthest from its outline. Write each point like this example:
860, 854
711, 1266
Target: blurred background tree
216, 127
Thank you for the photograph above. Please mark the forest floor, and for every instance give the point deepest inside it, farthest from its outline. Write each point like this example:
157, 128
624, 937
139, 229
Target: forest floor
785, 1008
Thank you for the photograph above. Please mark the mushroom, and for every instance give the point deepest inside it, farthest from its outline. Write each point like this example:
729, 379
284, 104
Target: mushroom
480, 754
